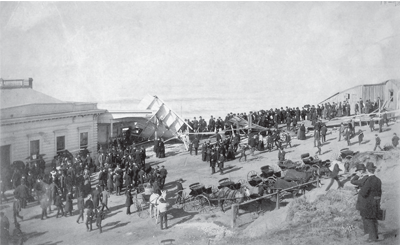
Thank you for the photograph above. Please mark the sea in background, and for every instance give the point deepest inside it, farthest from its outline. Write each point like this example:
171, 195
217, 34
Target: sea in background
205, 106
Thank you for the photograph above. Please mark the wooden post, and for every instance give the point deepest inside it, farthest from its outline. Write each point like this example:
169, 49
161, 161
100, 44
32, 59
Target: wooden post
235, 209
277, 199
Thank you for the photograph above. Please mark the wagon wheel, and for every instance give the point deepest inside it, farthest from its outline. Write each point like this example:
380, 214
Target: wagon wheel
189, 204
141, 211
251, 175
202, 204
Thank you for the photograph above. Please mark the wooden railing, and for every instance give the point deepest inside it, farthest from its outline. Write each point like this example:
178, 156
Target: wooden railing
235, 206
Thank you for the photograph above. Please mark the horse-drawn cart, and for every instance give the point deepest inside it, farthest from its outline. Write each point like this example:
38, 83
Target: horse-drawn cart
195, 200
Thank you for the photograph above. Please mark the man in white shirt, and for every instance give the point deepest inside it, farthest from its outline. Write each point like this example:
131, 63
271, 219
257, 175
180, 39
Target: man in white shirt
163, 208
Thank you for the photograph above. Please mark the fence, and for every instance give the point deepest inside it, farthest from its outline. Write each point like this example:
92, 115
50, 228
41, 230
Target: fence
235, 207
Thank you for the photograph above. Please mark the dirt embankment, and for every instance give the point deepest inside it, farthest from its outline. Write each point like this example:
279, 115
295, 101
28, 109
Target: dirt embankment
331, 217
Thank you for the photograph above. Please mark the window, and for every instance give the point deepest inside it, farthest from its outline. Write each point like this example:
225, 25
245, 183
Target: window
34, 147
391, 95
84, 140
60, 141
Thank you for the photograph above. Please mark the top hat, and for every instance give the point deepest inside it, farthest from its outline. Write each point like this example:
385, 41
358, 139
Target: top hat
360, 167
370, 166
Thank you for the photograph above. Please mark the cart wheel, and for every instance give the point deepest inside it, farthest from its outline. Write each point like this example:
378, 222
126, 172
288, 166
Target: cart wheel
142, 213
180, 201
203, 204
188, 205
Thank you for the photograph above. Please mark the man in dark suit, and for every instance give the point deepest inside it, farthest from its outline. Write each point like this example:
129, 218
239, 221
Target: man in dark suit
371, 193
358, 180
196, 145
163, 176
211, 124
195, 124
213, 160
395, 140
377, 142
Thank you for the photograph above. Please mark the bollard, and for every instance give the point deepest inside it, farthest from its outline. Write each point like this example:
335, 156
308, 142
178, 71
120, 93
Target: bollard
277, 199
235, 209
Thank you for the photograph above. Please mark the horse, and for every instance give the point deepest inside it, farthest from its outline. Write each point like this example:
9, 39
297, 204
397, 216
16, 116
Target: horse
225, 193
153, 202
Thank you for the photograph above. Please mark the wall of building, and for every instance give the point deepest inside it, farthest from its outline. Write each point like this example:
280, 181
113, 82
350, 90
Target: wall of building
369, 92
20, 135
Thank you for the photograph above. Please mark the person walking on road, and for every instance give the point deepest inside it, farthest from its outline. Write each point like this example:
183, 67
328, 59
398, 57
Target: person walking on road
80, 204
377, 142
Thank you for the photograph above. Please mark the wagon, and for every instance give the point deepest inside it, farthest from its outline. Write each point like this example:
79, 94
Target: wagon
226, 182
142, 204
195, 200
265, 178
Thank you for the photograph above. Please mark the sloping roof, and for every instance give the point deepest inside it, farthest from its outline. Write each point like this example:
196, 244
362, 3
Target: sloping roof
24, 96
397, 82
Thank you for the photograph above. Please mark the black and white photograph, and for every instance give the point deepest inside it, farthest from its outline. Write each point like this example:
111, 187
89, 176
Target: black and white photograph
200, 122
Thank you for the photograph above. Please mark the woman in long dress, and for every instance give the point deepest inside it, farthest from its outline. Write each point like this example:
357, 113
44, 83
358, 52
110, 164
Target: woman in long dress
68, 204
86, 183
302, 132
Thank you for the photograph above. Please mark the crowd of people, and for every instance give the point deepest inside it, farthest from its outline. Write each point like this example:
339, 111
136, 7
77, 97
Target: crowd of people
122, 167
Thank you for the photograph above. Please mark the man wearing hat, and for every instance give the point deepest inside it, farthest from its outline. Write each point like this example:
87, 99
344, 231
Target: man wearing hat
179, 188
163, 176
395, 140
360, 176
59, 205
89, 212
377, 142
370, 193
360, 136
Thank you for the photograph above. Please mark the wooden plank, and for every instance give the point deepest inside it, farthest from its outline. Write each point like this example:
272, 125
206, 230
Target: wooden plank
235, 209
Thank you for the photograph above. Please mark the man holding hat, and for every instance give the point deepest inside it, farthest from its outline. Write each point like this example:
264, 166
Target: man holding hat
371, 193
360, 176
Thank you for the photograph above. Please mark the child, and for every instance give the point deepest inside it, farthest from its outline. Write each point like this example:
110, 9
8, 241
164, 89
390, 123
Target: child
243, 152
360, 136
99, 217
288, 140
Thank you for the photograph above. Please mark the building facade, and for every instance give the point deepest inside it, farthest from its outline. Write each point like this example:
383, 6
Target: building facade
33, 123
387, 92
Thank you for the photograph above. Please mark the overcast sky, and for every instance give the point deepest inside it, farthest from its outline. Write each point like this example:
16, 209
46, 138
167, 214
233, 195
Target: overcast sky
290, 52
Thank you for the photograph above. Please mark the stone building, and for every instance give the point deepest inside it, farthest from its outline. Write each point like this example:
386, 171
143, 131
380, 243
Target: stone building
34, 123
